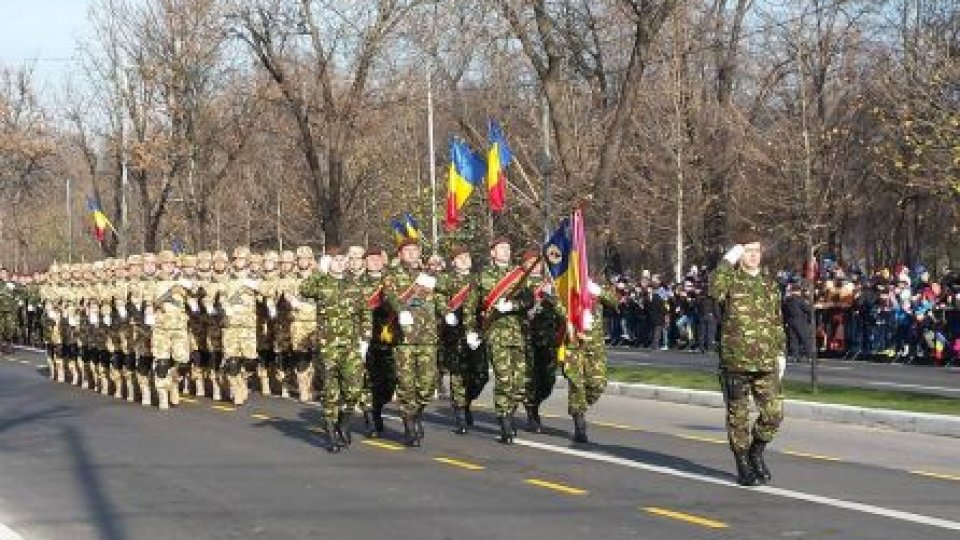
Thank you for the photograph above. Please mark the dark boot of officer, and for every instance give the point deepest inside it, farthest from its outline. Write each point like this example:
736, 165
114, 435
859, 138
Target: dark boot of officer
745, 473
533, 419
460, 425
755, 455
580, 429
506, 430
410, 431
377, 415
343, 428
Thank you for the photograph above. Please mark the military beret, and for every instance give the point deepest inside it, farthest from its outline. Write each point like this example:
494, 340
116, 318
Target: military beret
458, 250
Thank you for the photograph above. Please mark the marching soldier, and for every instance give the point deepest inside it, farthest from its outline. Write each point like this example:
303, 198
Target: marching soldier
8, 312
214, 317
546, 326
466, 361
239, 298
303, 324
379, 363
171, 344
752, 356
341, 347
502, 314
200, 355
412, 295
286, 289
129, 326
267, 367
143, 304
195, 378
113, 294
50, 299
71, 316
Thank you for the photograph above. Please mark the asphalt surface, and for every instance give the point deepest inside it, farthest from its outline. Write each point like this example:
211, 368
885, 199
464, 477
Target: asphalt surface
942, 381
78, 465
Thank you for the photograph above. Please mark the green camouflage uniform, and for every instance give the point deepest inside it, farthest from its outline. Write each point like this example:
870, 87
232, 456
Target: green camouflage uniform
752, 339
339, 303
585, 362
468, 368
506, 340
545, 325
8, 312
416, 344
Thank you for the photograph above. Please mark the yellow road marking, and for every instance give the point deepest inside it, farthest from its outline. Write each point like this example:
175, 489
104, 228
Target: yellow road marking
223, 408
259, 416
699, 438
382, 444
616, 426
688, 518
810, 456
940, 476
461, 464
556, 487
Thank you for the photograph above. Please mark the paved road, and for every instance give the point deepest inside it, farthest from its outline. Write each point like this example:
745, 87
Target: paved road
78, 465
922, 379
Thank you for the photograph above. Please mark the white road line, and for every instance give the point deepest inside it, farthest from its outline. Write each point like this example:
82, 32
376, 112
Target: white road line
31, 349
914, 386
770, 490
6, 533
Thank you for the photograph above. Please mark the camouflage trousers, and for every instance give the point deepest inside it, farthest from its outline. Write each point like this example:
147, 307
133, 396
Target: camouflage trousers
586, 373
469, 373
766, 392
509, 377
342, 371
416, 376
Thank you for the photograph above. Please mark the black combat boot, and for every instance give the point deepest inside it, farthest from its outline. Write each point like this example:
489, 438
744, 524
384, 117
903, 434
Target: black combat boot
755, 455
580, 429
370, 425
410, 432
377, 421
460, 427
343, 427
745, 474
332, 439
533, 419
468, 416
506, 430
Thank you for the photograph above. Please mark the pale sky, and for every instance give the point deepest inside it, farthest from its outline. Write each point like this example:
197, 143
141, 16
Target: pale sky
45, 33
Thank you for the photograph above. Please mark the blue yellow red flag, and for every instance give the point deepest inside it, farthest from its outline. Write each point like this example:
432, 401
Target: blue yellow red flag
467, 170
499, 157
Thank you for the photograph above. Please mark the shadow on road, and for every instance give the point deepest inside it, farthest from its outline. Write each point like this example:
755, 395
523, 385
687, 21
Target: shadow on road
102, 510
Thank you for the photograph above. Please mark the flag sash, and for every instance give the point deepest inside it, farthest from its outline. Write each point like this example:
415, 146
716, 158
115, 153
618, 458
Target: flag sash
375, 299
458, 299
503, 286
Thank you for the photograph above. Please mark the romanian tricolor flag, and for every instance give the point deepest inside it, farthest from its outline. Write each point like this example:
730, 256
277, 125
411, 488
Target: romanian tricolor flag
566, 257
498, 159
100, 221
467, 171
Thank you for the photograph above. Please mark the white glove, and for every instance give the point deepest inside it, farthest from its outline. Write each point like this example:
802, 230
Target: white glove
94, 319
547, 288
272, 311
186, 283
426, 281
587, 320
11, 286
30, 308
594, 289
733, 256
781, 365
148, 317
405, 318
194, 305
473, 340
53, 314
324, 264
122, 312
107, 320
73, 321
451, 319
364, 346
504, 306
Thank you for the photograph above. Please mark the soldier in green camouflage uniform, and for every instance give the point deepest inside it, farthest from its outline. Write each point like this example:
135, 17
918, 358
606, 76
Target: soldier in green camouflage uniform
357, 273
341, 347
751, 355
8, 311
381, 370
504, 335
546, 325
468, 365
585, 361
412, 295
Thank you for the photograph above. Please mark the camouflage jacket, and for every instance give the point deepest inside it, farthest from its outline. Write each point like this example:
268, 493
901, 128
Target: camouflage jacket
468, 313
383, 321
752, 327
425, 306
505, 328
340, 309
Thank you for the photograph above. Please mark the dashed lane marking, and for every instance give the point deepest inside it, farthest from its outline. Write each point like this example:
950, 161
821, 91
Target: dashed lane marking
767, 490
382, 444
820, 457
569, 490
687, 518
458, 463
616, 426
223, 408
700, 438
939, 476
259, 416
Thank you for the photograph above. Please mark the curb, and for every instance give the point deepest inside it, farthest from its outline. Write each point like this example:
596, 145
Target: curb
930, 424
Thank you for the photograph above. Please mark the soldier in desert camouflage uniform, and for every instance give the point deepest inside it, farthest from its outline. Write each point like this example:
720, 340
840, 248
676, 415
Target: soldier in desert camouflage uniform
239, 298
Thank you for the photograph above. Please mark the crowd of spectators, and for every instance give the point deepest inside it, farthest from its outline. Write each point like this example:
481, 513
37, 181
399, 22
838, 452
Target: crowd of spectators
892, 314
